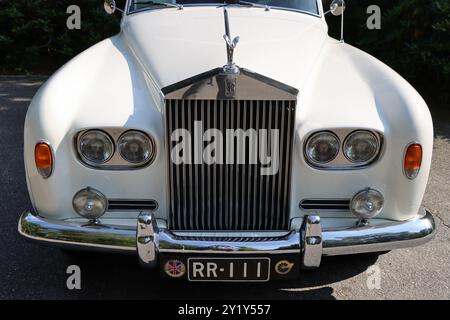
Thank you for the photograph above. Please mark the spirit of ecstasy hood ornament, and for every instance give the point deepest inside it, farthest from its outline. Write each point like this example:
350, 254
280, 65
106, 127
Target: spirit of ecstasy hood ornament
230, 67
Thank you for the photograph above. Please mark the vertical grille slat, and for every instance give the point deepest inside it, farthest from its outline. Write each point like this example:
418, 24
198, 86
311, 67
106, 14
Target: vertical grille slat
236, 185
190, 126
178, 171
227, 170
267, 180
184, 168
230, 195
255, 170
275, 178
215, 196
220, 178
261, 184
289, 137
249, 170
279, 205
171, 174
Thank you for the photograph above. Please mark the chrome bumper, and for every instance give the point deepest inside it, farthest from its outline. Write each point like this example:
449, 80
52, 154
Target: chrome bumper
310, 242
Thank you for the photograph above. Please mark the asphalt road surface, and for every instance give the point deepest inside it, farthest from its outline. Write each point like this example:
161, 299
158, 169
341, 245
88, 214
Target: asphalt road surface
31, 271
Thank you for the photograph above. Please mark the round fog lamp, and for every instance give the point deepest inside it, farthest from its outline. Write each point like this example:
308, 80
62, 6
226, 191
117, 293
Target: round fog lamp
367, 203
90, 203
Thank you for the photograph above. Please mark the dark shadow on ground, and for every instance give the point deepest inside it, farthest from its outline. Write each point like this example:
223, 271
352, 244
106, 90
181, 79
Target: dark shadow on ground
118, 277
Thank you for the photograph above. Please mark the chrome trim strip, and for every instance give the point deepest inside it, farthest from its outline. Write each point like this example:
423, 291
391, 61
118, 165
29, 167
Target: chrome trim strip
388, 235
283, 245
187, 5
232, 234
209, 85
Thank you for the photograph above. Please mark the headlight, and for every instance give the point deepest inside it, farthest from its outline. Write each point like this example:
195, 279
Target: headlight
361, 146
96, 146
322, 147
367, 203
136, 147
90, 203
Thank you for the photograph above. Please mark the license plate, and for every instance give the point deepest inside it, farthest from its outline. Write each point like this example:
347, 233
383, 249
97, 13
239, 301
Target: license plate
229, 269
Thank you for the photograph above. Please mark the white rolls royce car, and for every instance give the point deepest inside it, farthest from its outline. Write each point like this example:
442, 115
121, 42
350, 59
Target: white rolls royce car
227, 141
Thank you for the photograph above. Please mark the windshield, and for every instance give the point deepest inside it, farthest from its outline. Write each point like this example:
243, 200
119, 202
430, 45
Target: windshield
309, 6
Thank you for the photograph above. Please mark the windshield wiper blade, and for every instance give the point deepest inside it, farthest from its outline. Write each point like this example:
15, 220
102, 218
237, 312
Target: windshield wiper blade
150, 2
245, 3
256, 5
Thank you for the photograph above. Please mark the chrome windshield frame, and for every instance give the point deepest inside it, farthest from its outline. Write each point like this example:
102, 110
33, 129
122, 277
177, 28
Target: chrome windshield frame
206, 4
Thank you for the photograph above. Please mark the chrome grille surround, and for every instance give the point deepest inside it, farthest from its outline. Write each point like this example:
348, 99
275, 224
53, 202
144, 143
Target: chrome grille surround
230, 197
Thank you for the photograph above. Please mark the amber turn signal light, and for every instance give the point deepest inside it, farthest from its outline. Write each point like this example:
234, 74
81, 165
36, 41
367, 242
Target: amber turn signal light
44, 159
413, 160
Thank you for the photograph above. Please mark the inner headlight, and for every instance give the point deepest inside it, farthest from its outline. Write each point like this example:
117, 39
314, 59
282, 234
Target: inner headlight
322, 147
96, 146
90, 203
136, 147
361, 146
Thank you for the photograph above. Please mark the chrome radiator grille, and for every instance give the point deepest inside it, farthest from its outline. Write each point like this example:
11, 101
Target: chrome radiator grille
230, 196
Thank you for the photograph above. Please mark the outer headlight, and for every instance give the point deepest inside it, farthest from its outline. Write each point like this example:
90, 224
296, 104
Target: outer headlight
322, 147
361, 146
90, 203
96, 146
367, 203
136, 147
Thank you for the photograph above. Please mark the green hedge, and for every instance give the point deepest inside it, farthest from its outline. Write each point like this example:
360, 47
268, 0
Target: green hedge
414, 38
34, 37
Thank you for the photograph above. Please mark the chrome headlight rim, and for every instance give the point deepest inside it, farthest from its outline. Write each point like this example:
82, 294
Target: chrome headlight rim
321, 164
371, 159
90, 161
149, 160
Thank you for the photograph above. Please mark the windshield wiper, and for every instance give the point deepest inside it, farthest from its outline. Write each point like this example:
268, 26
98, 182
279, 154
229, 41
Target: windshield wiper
256, 5
160, 3
245, 3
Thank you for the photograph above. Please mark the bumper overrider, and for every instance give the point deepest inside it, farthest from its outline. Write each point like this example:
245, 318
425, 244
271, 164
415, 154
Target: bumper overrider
310, 243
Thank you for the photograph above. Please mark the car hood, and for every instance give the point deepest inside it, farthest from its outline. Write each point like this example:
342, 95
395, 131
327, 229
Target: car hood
173, 45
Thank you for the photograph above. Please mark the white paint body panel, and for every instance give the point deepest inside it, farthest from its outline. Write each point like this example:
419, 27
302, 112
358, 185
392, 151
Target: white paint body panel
117, 83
